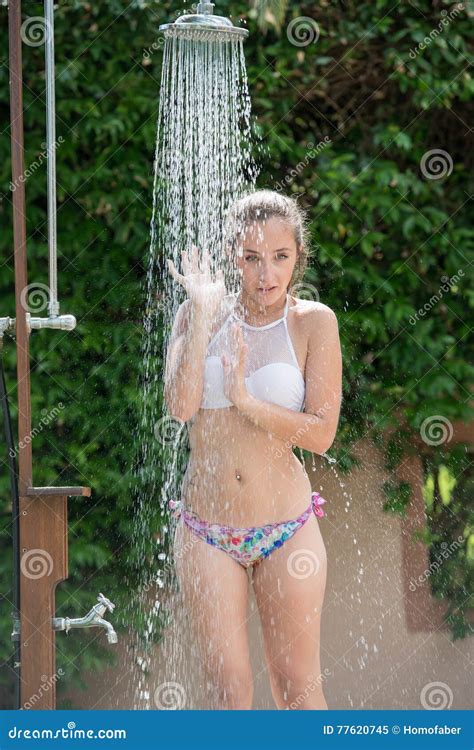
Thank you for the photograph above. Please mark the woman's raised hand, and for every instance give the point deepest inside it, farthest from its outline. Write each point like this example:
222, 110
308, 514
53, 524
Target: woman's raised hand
204, 292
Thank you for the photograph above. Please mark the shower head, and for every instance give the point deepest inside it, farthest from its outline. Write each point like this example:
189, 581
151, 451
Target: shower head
204, 26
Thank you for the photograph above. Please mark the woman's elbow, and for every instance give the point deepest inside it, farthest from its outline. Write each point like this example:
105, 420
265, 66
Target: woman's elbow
322, 441
328, 438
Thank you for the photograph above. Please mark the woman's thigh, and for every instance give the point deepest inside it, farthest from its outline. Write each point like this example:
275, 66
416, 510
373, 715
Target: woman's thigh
289, 589
215, 596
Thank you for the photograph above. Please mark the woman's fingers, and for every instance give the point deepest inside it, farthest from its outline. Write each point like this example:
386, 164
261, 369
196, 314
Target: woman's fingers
171, 268
195, 259
205, 262
185, 262
193, 265
239, 342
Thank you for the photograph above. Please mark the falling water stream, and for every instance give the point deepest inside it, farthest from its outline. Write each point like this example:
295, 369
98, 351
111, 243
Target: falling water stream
203, 162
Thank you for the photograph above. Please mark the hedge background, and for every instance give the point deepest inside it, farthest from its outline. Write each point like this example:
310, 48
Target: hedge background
384, 237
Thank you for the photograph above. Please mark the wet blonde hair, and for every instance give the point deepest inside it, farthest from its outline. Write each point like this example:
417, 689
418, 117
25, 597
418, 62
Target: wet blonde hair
260, 206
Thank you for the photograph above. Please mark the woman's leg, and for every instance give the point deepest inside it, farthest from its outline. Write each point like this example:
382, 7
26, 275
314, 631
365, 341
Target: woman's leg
215, 594
289, 588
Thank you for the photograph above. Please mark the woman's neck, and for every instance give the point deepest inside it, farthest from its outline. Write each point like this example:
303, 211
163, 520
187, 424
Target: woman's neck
257, 313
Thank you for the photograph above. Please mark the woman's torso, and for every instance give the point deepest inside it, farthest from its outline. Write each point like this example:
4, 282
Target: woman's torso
238, 474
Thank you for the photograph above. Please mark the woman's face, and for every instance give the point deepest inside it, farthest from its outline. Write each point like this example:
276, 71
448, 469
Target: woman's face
266, 257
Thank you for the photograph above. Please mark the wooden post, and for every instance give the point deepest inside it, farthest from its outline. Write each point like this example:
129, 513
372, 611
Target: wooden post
43, 564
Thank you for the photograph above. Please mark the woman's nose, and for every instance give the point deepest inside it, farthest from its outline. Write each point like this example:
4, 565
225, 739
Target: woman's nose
264, 270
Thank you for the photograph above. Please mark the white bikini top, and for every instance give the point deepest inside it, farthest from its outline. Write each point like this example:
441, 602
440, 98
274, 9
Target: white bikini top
272, 372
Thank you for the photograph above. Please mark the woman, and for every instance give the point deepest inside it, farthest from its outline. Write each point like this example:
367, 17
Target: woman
239, 369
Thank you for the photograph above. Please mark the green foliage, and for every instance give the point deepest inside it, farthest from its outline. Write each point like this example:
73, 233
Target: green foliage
383, 237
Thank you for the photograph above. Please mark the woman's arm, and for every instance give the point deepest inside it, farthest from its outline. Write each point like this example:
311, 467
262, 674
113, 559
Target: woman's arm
315, 429
184, 371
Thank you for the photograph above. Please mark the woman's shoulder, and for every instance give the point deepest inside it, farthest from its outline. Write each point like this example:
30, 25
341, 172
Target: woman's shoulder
311, 311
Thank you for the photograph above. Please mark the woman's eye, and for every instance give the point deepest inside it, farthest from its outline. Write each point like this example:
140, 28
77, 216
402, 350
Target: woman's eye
254, 257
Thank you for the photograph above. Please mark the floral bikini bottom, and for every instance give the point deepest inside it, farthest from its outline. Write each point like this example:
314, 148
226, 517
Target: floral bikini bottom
248, 545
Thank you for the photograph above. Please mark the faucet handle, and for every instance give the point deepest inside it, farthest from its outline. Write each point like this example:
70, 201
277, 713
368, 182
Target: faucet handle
106, 602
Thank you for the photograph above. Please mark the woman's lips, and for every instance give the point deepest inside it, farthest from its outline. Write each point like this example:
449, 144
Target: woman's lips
266, 289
